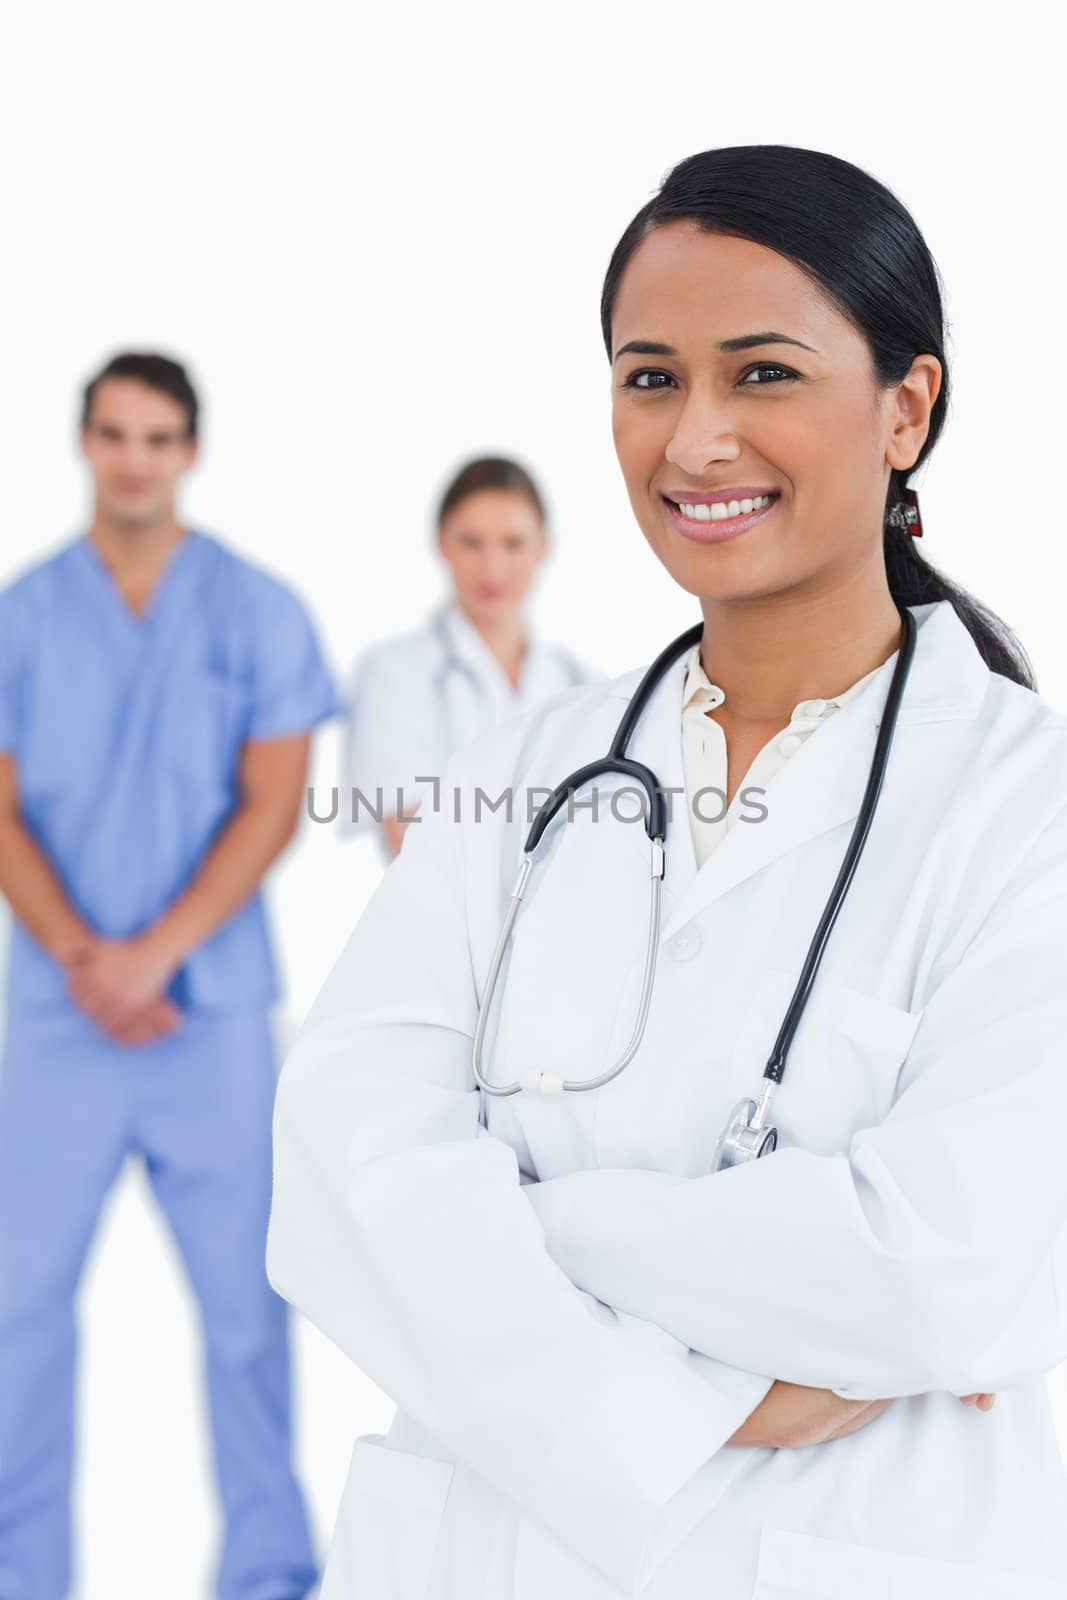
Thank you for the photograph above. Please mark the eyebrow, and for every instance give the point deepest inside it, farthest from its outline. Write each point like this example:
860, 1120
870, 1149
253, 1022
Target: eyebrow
154, 436
744, 341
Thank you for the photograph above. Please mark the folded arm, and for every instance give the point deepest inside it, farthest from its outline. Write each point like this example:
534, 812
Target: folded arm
925, 1258
401, 1227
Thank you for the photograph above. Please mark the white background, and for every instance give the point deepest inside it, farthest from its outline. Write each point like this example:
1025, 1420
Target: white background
378, 237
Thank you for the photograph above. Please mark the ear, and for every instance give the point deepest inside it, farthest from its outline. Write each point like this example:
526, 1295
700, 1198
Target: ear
192, 453
909, 420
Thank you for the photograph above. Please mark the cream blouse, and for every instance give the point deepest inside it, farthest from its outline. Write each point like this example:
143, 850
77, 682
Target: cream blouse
704, 754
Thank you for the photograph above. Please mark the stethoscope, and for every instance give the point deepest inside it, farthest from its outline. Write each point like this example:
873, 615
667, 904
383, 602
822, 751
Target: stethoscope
746, 1136
451, 664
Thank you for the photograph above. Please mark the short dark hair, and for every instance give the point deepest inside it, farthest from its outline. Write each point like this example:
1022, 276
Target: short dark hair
158, 372
489, 472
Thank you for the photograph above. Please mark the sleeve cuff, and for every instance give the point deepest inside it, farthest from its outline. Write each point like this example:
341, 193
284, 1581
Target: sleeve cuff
639, 1456
298, 720
635, 1463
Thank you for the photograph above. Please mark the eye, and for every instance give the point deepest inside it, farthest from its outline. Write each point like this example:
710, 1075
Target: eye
785, 375
632, 381
778, 374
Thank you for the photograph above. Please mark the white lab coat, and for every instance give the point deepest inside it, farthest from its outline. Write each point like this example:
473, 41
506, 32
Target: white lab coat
418, 697
572, 1314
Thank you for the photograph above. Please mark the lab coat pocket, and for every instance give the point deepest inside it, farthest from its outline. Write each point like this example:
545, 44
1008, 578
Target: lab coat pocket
796, 1566
387, 1525
843, 1063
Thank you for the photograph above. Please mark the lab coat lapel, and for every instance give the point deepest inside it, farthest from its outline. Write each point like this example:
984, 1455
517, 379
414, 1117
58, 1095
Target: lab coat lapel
819, 788
822, 786
469, 676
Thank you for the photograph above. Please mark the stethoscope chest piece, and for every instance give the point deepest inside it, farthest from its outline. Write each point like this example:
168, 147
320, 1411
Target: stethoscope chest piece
744, 1138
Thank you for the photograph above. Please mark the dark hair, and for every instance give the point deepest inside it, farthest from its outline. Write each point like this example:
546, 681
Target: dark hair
489, 472
862, 248
158, 372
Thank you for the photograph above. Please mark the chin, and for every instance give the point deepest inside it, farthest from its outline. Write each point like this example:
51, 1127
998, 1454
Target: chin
707, 578
136, 515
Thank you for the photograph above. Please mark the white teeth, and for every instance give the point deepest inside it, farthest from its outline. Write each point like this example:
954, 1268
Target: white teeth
718, 510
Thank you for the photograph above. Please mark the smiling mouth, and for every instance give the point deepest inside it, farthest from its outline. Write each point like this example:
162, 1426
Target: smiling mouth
718, 521
721, 510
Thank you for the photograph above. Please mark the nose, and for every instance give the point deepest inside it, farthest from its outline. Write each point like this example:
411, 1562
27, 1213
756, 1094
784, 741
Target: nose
703, 435
495, 566
133, 457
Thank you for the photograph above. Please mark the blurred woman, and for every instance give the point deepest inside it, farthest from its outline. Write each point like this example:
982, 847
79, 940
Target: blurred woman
418, 697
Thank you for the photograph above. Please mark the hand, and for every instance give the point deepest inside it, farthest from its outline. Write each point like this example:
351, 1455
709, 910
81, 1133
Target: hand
72, 947
158, 1018
790, 1416
395, 828
984, 1402
119, 983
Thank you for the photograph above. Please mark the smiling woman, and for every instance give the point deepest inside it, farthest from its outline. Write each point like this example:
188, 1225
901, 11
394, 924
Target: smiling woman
620, 1369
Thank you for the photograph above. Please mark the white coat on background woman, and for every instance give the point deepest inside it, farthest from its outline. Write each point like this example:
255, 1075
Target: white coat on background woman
420, 696
618, 1371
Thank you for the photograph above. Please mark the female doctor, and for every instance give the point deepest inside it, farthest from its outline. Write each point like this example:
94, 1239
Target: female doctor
628, 1360
421, 696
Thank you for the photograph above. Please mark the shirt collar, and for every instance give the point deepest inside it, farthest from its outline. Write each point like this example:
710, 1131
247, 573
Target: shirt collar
698, 689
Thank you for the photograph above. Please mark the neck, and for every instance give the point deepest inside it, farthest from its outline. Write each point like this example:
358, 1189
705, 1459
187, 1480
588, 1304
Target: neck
133, 550
768, 654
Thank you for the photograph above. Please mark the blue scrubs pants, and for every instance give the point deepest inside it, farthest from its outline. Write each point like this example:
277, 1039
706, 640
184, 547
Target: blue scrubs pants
197, 1107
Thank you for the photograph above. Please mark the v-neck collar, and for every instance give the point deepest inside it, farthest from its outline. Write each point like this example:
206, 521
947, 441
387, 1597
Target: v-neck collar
141, 623
469, 645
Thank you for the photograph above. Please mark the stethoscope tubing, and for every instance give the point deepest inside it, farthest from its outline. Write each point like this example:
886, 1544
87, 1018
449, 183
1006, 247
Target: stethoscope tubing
617, 762
775, 1068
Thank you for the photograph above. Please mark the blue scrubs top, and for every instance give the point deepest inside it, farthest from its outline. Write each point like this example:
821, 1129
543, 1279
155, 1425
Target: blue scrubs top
126, 733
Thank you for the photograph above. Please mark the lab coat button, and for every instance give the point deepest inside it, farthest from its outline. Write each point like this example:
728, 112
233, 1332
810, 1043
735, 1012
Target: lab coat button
789, 742
684, 945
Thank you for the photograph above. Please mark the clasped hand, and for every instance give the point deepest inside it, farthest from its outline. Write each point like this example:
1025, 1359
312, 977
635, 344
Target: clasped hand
119, 984
790, 1416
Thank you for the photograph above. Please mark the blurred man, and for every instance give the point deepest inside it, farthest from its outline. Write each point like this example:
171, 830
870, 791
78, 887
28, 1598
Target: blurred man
156, 697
